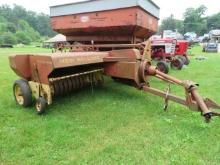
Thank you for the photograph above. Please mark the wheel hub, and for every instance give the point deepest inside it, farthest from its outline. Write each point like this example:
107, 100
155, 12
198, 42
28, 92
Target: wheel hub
18, 95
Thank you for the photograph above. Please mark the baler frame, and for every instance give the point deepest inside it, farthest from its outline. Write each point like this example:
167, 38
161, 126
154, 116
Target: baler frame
114, 64
47, 76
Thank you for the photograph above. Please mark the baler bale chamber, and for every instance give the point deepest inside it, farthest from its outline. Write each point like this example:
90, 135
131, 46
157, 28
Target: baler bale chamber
111, 39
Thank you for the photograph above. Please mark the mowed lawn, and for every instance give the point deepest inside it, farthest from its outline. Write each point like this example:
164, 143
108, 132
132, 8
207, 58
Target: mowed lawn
114, 124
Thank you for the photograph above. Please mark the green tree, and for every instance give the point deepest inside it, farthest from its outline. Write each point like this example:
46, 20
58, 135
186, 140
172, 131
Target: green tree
1, 39
43, 25
38, 22
168, 24
3, 28
213, 22
180, 26
8, 38
23, 38
26, 28
11, 27
2, 19
194, 20
171, 23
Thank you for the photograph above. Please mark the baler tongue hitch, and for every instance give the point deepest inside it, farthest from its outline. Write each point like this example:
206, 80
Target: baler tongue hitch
193, 99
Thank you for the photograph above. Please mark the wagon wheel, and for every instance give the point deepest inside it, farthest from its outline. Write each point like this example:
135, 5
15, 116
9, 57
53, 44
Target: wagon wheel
163, 67
22, 93
177, 64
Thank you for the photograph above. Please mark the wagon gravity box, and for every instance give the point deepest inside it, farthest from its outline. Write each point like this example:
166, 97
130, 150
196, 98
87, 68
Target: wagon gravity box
111, 37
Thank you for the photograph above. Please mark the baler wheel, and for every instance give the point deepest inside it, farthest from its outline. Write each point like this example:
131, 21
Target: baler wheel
177, 64
41, 105
163, 67
22, 93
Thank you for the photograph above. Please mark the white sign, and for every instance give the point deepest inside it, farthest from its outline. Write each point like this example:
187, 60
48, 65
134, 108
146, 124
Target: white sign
84, 19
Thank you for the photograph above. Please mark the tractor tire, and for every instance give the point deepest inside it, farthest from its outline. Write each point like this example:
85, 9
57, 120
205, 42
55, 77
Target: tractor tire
185, 59
163, 67
176, 64
41, 105
22, 93
182, 58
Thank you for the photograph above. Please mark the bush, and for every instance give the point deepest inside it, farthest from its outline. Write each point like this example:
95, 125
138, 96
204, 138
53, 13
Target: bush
8, 38
1, 40
26, 28
23, 38
3, 28
11, 27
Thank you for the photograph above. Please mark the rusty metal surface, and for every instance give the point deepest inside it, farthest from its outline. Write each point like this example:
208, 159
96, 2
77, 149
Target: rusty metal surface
193, 99
162, 94
78, 58
108, 38
128, 22
60, 73
64, 72
21, 66
38, 67
126, 70
41, 67
121, 48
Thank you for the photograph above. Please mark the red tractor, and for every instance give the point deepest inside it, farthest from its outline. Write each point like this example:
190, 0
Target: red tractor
171, 51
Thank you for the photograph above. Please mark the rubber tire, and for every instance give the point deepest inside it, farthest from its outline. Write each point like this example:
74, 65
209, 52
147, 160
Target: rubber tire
163, 67
43, 105
182, 58
176, 64
187, 61
26, 91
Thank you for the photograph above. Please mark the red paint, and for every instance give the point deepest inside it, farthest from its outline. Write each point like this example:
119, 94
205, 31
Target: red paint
129, 23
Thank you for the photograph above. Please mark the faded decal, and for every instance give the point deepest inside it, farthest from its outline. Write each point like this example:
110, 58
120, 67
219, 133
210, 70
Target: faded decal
84, 19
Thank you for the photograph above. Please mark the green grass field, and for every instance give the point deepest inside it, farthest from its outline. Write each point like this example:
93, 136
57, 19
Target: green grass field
115, 124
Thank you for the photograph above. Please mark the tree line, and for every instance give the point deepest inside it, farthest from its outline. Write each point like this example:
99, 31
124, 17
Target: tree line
19, 26
194, 20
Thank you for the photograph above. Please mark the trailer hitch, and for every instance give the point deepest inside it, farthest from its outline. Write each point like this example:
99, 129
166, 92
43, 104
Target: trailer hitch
202, 105
193, 100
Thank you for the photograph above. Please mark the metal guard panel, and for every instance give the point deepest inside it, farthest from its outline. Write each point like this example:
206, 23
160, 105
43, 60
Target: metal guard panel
77, 59
102, 5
